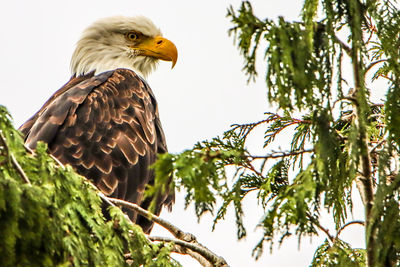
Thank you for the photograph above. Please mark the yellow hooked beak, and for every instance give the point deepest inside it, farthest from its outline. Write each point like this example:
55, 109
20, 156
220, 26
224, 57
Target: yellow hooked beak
158, 47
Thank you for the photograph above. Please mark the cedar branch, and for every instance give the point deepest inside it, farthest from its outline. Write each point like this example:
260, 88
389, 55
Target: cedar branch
183, 239
282, 154
364, 181
175, 231
14, 160
348, 224
211, 257
186, 242
319, 226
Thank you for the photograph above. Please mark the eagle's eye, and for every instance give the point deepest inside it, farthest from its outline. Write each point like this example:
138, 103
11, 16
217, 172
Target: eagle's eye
132, 36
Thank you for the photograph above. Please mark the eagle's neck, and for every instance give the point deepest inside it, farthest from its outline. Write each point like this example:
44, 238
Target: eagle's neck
95, 56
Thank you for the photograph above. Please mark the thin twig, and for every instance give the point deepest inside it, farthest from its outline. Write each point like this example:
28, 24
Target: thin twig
253, 169
182, 250
343, 45
319, 226
272, 156
29, 150
14, 160
249, 126
19, 169
32, 152
370, 66
376, 146
347, 224
211, 257
175, 231
282, 154
183, 237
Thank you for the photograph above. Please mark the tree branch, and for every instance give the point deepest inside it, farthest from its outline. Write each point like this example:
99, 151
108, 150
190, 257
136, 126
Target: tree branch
282, 154
364, 181
186, 240
207, 254
344, 46
184, 251
319, 226
14, 160
186, 243
376, 146
348, 224
370, 66
175, 231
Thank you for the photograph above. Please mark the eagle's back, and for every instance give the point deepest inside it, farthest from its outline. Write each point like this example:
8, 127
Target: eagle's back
108, 128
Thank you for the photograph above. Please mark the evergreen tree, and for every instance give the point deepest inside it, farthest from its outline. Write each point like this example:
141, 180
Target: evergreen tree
51, 216
320, 75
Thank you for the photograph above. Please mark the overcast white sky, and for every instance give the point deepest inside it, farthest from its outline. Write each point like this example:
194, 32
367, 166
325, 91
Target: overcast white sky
201, 97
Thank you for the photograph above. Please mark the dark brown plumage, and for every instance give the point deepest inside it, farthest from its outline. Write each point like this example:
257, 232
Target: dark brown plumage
108, 128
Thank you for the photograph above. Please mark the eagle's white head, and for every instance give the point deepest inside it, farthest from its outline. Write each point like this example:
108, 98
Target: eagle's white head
121, 42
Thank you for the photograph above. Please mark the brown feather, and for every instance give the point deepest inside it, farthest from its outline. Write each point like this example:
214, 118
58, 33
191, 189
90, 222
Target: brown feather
107, 127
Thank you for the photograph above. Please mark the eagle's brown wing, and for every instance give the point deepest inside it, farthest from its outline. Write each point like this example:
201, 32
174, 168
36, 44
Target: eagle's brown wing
107, 127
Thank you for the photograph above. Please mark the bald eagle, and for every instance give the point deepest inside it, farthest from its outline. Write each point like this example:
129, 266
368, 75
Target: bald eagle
104, 121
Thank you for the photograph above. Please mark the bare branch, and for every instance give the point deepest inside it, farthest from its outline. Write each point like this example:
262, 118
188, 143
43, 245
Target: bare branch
180, 250
370, 66
344, 46
184, 251
19, 169
14, 160
320, 227
184, 238
348, 224
211, 257
32, 152
377, 145
175, 231
282, 154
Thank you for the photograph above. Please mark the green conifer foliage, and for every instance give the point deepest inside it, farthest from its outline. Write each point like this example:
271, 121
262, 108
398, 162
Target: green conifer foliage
320, 72
50, 216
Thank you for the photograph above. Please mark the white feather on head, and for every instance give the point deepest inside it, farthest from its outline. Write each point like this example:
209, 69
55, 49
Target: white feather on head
103, 46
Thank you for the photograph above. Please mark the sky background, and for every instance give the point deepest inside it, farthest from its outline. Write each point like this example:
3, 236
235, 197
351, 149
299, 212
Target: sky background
200, 98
